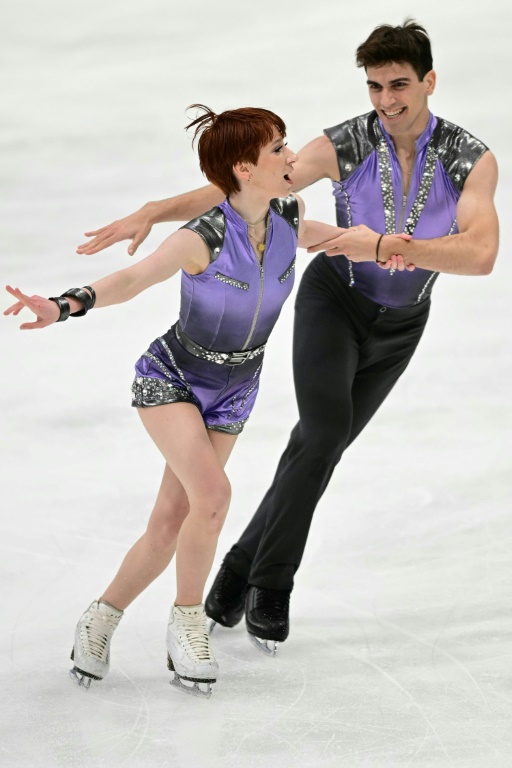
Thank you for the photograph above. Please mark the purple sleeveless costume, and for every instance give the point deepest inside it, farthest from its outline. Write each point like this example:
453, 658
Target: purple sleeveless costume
370, 192
212, 356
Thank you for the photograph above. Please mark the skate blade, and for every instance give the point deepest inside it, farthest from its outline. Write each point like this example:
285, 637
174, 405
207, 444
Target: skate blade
83, 681
192, 688
268, 647
210, 625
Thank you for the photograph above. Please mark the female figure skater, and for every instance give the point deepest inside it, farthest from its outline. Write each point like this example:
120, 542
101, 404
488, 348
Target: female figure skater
196, 385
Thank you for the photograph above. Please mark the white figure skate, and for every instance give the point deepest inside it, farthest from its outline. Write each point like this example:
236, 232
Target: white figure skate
91, 651
189, 654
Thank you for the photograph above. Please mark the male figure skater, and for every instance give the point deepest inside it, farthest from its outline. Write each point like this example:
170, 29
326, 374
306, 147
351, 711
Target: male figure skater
360, 315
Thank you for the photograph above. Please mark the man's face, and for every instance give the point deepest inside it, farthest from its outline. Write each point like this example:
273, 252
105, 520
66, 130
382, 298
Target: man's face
400, 99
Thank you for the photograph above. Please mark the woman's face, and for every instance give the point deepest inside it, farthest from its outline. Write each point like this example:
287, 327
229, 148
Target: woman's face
273, 174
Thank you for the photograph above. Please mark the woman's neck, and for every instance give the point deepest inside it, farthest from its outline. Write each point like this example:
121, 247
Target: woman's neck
253, 209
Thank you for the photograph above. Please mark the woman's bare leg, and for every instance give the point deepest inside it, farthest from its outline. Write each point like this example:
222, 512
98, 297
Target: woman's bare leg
152, 553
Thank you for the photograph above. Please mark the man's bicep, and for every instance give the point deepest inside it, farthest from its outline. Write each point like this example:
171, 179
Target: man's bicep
476, 203
317, 160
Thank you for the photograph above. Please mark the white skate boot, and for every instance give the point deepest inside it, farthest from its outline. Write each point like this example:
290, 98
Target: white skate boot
189, 654
91, 651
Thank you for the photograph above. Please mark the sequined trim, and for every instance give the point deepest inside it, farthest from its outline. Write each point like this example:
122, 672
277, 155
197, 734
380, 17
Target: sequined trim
255, 380
434, 274
349, 224
288, 272
234, 428
423, 191
148, 391
173, 361
231, 281
422, 293
162, 367
386, 184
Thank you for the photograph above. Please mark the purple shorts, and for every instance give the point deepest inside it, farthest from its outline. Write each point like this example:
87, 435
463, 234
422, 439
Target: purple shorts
224, 394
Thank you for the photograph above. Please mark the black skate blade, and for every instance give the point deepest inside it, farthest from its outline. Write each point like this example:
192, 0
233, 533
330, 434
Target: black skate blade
78, 677
81, 678
267, 647
194, 689
210, 625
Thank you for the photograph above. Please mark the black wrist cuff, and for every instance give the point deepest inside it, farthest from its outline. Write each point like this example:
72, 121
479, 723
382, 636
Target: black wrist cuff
64, 308
83, 297
93, 294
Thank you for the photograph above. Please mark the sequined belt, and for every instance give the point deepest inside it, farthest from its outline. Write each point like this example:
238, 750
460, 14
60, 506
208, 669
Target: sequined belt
223, 358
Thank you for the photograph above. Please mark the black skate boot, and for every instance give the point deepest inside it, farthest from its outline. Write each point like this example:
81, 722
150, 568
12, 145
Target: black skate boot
266, 617
225, 603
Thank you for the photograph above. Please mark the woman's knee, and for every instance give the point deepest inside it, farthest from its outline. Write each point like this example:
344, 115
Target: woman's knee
211, 502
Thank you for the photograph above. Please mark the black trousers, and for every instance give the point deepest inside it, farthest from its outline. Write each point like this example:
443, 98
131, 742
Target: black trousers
348, 352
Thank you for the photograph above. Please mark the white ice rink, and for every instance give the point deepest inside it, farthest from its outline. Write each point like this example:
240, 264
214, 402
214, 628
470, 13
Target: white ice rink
400, 652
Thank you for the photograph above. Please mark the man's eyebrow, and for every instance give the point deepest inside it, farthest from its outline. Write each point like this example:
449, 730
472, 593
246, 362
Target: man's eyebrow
392, 82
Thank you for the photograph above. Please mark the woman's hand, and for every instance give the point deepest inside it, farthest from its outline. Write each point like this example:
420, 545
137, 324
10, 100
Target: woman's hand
46, 311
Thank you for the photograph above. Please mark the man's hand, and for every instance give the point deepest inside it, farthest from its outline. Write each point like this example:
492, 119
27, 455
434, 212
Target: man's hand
360, 244
46, 311
135, 227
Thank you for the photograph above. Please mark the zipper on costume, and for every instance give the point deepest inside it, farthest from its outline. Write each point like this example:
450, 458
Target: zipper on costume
258, 306
262, 283
402, 213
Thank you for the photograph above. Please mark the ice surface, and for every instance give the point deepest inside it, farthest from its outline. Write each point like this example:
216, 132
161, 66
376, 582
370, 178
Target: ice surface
401, 644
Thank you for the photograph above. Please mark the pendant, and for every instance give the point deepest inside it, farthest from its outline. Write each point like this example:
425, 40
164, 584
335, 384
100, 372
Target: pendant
261, 247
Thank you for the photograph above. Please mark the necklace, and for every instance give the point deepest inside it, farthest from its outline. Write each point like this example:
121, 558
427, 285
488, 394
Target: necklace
260, 245
249, 224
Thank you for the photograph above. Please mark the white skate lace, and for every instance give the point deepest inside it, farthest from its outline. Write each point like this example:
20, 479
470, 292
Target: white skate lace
193, 635
96, 633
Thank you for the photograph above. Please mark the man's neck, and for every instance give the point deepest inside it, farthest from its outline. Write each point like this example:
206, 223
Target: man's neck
405, 143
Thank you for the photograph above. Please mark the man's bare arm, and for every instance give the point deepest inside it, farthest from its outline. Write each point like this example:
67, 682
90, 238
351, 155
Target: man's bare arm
316, 161
472, 251
137, 226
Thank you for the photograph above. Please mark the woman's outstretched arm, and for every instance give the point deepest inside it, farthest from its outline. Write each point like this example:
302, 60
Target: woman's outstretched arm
182, 250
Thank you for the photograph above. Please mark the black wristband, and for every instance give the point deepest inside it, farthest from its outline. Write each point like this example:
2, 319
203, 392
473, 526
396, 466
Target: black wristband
83, 297
64, 308
93, 294
377, 249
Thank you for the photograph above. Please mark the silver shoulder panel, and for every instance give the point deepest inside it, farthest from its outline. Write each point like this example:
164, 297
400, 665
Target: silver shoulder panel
353, 141
288, 208
457, 150
211, 226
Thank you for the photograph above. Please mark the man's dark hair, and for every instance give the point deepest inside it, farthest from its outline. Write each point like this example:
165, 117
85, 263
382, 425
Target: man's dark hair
406, 44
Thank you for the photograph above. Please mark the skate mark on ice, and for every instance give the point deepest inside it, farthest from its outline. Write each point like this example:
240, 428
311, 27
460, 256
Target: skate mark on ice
430, 727
268, 727
417, 638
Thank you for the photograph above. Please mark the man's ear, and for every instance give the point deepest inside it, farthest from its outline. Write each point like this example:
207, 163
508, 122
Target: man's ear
430, 80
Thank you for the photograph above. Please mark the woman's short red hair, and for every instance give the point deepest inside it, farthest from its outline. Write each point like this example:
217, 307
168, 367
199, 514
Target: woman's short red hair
232, 137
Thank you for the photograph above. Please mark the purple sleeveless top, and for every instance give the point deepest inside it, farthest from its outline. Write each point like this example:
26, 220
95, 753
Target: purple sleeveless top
234, 304
370, 192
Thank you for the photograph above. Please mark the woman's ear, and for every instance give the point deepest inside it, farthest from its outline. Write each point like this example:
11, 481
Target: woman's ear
242, 171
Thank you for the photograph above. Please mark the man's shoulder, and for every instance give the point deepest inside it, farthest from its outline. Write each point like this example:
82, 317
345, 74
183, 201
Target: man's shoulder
458, 150
353, 140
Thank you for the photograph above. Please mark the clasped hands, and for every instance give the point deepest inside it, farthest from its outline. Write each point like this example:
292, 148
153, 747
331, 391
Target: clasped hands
359, 244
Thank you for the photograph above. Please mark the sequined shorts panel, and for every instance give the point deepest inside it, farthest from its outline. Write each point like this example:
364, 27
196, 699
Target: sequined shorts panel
225, 395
